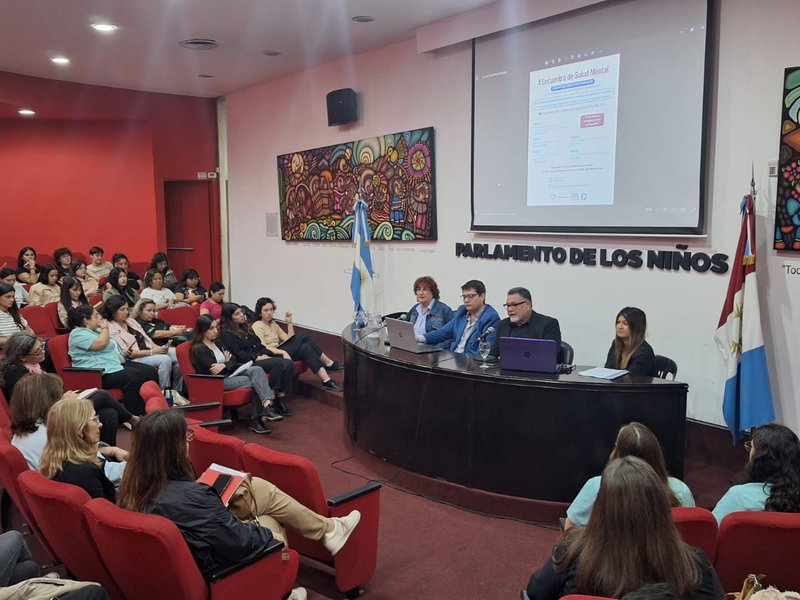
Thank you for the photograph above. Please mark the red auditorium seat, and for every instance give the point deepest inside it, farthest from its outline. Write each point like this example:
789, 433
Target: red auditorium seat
210, 447
355, 563
39, 321
75, 378
697, 527
180, 315
164, 567
52, 313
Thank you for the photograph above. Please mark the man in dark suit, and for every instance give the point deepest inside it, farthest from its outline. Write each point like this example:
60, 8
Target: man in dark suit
523, 322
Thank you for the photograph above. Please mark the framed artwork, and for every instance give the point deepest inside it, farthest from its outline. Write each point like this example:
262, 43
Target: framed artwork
787, 208
393, 173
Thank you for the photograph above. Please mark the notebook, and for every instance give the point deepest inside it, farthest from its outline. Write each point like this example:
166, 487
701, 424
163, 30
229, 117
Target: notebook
402, 336
525, 354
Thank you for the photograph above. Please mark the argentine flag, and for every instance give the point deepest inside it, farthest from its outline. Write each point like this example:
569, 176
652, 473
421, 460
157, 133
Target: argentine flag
747, 400
362, 275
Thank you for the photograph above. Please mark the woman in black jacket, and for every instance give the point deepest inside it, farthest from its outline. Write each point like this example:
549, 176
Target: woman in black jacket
629, 350
239, 337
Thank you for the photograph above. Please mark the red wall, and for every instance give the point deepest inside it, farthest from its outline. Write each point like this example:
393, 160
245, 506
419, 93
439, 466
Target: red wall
91, 165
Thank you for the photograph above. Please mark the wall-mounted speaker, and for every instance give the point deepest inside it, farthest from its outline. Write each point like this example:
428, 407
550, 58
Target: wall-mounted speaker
342, 107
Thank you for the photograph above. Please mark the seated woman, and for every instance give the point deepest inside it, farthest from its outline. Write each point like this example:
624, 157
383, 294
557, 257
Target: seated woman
27, 269
9, 276
160, 263
71, 452
213, 304
33, 397
72, 295
91, 347
120, 261
429, 313
188, 289
161, 332
154, 290
46, 289
631, 541
293, 346
63, 258
160, 480
771, 477
629, 350
98, 268
137, 346
120, 285
633, 439
24, 354
11, 321
89, 283
211, 358
241, 340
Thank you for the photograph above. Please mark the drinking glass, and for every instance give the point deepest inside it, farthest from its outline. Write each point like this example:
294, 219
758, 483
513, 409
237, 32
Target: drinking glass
483, 347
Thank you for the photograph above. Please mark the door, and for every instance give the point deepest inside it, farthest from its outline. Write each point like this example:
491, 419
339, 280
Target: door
192, 234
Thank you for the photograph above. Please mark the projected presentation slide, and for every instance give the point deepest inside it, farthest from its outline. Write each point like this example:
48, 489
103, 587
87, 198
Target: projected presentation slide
572, 133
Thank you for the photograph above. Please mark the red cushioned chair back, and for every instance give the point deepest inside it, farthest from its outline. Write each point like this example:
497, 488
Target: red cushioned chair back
210, 447
697, 527
149, 389
51, 308
145, 554
5, 412
759, 542
181, 315
39, 321
58, 510
184, 361
58, 347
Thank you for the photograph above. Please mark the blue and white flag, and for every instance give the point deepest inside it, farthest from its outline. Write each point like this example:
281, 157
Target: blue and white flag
747, 400
362, 276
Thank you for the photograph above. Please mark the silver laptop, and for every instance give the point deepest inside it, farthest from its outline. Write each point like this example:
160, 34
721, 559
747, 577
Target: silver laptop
402, 336
526, 354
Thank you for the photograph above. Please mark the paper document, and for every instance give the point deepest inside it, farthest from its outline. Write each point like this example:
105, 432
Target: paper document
242, 368
603, 373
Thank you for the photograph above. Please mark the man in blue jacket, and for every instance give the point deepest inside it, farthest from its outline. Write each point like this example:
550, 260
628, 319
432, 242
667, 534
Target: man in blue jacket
469, 323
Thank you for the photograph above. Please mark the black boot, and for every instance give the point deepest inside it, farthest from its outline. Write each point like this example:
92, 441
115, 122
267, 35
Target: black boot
280, 407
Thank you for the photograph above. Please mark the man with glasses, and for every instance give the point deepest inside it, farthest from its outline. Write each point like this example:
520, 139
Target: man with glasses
523, 322
471, 320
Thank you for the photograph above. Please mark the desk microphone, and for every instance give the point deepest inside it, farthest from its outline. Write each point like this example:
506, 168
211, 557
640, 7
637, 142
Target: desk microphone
489, 331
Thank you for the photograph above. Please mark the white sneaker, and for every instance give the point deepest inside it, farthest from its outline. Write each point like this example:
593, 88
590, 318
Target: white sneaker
342, 528
178, 399
298, 594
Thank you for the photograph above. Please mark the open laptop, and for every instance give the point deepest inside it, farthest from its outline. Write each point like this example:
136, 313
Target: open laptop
402, 336
524, 354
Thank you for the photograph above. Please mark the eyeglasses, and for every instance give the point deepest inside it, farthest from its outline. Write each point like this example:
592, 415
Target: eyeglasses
469, 296
748, 445
189, 435
95, 418
514, 304
40, 350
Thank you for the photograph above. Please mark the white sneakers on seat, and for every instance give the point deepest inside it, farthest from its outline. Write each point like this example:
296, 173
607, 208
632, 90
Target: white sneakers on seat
298, 593
342, 528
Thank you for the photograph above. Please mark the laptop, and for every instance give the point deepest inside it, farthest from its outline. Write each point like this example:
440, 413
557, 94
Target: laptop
402, 336
525, 354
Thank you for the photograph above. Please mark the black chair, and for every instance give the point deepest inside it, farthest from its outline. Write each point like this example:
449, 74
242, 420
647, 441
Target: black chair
663, 366
565, 354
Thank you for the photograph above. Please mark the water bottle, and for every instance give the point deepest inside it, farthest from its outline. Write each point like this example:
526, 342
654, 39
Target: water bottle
168, 396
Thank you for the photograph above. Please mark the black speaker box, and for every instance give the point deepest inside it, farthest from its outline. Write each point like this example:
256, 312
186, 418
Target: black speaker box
342, 108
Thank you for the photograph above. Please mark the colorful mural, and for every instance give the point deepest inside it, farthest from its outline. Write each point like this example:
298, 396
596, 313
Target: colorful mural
393, 173
787, 209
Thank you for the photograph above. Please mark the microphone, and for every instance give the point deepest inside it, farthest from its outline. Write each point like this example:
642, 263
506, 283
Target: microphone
489, 331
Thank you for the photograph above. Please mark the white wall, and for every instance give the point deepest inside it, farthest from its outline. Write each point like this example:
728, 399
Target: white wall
400, 90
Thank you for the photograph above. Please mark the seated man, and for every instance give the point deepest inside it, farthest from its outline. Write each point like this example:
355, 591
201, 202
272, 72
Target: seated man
469, 323
523, 322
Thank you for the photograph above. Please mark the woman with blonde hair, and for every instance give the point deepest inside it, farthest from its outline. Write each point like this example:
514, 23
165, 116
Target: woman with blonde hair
629, 350
70, 455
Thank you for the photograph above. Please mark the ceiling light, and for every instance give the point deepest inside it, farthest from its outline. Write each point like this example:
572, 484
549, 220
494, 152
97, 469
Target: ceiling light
271, 53
26, 112
60, 60
104, 27
199, 44
363, 19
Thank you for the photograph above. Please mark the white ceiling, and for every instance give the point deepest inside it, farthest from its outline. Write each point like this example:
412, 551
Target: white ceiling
144, 53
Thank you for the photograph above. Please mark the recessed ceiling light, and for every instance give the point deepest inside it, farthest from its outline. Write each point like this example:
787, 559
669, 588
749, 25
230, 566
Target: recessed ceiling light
104, 27
26, 112
363, 19
271, 52
199, 44
205, 75
60, 60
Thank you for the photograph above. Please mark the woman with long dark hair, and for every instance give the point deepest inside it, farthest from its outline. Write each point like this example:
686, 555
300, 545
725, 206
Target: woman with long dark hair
159, 479
771, 479
629, 350
188, 289
119, 285
72, 295
212, 358
239, 337
213, 304
293, 346
11, 321
630, 542
633, 439
80, 271
27, 269
46, 289
160, 263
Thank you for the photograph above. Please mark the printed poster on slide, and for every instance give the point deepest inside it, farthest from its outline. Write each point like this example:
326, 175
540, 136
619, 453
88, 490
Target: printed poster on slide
572, 133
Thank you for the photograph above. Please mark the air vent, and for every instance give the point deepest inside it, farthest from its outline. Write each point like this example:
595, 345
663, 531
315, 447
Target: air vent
199, 44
